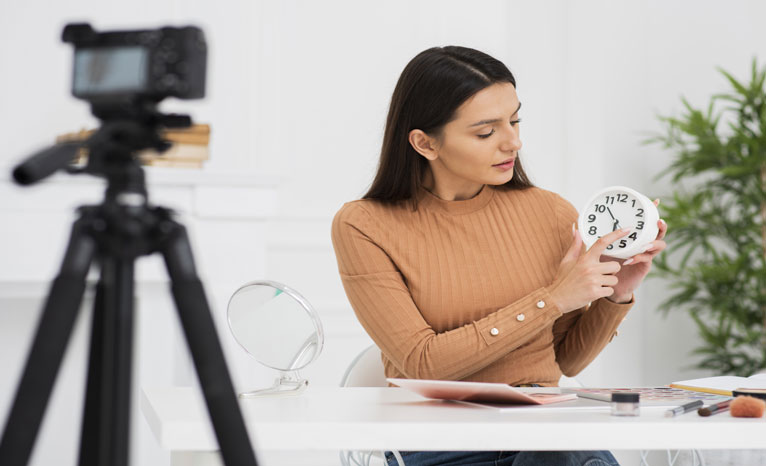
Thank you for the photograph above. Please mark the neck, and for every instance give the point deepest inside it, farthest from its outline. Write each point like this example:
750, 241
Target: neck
450, 193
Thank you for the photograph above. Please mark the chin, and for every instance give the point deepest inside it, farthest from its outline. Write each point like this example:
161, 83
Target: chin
504, 178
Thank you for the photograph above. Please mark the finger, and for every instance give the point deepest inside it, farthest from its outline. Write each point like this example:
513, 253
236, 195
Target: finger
655, 247
637, 259
663, 227
610, 267
574, 249
609, 280
648, 255
656, 202
601, 244
606, 291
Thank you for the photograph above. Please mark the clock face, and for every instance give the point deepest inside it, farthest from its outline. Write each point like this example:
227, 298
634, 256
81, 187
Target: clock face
610, 211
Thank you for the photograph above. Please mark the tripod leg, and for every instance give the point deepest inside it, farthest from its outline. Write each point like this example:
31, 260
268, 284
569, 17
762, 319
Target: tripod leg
106, 420
89, 438
47, 351
206, 350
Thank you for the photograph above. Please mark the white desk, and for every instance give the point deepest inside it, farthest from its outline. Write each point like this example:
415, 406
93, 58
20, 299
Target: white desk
393, 418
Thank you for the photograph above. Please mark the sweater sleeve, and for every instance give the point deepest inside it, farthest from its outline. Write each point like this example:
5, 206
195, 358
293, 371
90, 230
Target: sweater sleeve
579, 336
385, 308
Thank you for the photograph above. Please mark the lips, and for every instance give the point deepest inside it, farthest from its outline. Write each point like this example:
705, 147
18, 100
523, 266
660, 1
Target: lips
504, 162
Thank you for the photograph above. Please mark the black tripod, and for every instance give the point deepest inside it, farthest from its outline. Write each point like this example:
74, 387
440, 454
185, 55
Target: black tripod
115, 233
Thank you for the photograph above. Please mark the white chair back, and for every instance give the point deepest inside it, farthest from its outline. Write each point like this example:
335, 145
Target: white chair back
366, 370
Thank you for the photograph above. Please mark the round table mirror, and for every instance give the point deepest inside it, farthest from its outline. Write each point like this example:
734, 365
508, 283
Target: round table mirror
279, 328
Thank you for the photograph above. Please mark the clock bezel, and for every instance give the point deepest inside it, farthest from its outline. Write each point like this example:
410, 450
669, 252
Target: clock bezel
645, 236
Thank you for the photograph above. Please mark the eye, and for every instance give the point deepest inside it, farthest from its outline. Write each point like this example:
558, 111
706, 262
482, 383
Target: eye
515, 122
485, 136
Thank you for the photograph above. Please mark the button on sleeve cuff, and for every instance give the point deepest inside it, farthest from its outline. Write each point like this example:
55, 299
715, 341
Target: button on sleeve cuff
533, 311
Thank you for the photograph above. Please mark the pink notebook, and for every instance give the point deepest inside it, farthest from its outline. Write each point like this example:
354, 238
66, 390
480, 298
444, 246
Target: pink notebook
479, 391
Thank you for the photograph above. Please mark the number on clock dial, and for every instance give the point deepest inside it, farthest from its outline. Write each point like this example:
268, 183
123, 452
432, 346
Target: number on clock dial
615, 212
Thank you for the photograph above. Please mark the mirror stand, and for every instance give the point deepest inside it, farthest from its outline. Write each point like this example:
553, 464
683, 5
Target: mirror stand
279, 328
288, 383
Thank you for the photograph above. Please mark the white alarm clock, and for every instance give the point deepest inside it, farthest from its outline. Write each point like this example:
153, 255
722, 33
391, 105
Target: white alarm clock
619, 207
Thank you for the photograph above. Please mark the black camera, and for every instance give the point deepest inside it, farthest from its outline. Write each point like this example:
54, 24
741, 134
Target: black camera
124, 75
137, 65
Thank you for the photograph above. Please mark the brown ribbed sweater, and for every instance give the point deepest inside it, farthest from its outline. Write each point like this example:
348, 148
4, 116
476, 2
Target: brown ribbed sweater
456, 290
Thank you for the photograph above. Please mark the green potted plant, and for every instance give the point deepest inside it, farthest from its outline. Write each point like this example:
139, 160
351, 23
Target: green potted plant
715, 262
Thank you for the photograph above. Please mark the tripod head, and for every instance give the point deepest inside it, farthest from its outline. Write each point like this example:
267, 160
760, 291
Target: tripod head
124, 75
113, 147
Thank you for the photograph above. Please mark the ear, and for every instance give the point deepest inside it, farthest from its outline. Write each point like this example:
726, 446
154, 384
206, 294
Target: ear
424, 144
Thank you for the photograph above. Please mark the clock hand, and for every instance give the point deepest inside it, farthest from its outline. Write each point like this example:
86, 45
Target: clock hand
616, 222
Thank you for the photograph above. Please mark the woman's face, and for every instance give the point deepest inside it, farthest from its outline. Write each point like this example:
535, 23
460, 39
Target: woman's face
479, 146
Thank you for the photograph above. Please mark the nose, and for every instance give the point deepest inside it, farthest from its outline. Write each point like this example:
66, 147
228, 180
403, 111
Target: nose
512, 140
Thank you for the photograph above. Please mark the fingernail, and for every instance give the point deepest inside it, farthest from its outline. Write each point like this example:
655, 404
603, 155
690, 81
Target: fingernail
629, 261
658, 201
573, 228
664, 222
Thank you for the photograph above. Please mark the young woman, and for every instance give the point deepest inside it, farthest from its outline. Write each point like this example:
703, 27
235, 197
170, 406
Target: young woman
458, 267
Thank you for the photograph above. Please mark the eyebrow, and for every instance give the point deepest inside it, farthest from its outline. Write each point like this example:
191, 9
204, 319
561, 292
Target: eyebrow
494, 120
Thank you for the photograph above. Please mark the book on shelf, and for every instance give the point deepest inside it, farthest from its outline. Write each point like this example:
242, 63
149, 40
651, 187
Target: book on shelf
189, 147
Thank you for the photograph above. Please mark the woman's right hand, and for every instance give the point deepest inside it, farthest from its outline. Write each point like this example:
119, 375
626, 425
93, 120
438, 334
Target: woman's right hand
583, 279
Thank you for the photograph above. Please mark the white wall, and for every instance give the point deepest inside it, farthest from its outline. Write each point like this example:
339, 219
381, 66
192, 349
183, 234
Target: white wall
298, 92
593, 76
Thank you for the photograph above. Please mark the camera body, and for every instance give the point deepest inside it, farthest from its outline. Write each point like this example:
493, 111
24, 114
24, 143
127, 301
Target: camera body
137, 65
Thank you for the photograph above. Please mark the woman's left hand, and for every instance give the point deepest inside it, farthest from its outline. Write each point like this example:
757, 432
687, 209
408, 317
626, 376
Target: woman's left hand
634, 269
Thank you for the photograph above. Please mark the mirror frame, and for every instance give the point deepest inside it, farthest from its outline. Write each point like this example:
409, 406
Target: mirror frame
301, 300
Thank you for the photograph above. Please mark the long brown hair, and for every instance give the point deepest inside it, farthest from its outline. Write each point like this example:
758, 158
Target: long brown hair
429, 91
